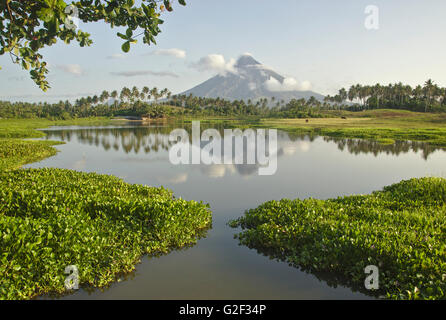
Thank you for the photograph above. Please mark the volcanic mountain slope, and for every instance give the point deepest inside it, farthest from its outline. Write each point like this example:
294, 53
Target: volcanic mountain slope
248, 81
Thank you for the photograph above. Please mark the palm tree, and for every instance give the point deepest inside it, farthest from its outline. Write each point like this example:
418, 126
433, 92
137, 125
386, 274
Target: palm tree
443, 96
399, 93
104, 96
378, 91
429, 92
312, 101
163, 92
125, 94
155, 94
352, 93
114, 95
146, 91
364, 94
418, 93
135, 94
407, 93
343, 95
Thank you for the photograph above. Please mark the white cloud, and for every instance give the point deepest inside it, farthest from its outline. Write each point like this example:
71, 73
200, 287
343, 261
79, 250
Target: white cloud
177, 53
71, 68
306, 85
288, 84
145, 73
261, 67
116, 56
215, 62
46, 96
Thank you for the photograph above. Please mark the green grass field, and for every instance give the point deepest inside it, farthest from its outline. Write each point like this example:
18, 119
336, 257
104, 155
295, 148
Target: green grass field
384, 126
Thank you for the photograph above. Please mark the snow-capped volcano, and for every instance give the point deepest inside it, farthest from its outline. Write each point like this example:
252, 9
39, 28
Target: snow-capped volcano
249, 79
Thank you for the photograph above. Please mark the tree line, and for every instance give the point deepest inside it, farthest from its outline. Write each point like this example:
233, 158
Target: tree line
155, 103
428, 97
134, 101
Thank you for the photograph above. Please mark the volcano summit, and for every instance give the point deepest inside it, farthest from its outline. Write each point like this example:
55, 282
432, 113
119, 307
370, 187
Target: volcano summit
249, 79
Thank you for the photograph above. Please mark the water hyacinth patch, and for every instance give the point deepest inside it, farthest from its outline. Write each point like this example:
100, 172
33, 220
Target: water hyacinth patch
53, 218
15, 152
401, 229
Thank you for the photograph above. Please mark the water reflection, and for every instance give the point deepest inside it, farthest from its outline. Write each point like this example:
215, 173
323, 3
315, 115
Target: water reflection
155, 140
358, 146
331, 279
176, 179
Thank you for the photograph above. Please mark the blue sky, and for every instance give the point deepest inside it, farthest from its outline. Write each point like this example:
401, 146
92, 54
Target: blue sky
323, 42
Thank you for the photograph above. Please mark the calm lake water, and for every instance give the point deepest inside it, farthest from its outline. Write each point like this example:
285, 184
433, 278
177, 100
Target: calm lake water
217, 267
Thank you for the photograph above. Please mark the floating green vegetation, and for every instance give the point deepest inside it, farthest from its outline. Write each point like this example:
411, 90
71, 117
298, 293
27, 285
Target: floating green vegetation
53, 218
401, 229
15, 152
433, 136
25, 128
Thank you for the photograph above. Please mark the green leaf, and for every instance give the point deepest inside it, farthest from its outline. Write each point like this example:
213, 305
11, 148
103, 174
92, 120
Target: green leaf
25, 65
122, 36
45, 14
126, 46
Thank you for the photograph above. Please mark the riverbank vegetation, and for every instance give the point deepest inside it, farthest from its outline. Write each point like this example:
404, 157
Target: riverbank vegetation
54, 218
384, 126
400, 229
16, 152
